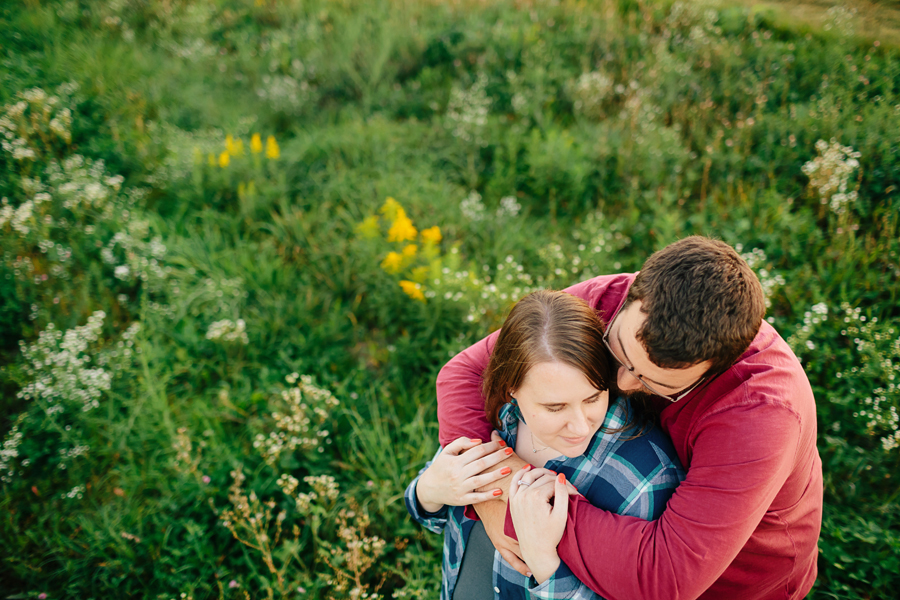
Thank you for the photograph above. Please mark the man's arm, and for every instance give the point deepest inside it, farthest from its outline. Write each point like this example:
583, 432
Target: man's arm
460, 403
740, 462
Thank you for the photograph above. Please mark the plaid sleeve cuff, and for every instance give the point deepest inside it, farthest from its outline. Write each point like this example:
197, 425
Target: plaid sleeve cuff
431, 521
561, 585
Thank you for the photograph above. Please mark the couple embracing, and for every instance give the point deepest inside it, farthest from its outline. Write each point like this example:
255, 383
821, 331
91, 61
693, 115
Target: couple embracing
637, 436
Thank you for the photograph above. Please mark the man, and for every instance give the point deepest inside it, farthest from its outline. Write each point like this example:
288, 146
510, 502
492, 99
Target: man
688, 334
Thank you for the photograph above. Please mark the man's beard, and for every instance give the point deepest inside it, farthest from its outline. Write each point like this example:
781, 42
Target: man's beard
639, 396
646, 406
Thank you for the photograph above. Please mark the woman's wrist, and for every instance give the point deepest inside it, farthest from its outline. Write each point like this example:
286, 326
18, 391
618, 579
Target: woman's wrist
543, 566
428, 504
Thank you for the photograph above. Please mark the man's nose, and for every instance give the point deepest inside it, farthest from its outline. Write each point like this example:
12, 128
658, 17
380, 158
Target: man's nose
626, 381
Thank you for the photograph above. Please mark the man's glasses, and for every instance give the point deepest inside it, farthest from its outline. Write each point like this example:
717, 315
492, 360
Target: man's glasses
640, 377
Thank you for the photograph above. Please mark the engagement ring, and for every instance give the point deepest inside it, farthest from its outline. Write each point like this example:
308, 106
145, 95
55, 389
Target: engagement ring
520, 482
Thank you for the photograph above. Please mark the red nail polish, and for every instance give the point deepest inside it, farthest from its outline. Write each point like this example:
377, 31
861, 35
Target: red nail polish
527, 468
508, 451
475, 441
561, 478
498, 492
502, 443
505, 471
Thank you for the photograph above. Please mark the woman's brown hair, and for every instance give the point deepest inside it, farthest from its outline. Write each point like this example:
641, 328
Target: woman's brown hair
545, 326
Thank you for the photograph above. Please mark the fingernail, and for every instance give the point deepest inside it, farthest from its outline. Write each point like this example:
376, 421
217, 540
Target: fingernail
508, 451
475, 441
552, 471
526, 468
528, 573
498, 492
561, 478
505, 471
502, 443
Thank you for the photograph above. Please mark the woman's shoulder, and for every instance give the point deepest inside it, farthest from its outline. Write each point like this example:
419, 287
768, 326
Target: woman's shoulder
643, 444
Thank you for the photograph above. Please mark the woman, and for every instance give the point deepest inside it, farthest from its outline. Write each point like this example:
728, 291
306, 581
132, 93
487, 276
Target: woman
546, 390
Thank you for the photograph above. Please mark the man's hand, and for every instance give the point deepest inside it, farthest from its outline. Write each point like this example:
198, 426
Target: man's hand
493, 516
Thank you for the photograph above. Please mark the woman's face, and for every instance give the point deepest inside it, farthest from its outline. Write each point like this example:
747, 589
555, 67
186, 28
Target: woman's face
561, 407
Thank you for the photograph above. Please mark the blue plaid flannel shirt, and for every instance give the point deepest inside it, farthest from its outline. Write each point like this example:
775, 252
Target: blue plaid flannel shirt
632, 477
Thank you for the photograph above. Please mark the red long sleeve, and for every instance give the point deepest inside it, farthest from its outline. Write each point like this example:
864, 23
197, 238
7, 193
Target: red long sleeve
745, 522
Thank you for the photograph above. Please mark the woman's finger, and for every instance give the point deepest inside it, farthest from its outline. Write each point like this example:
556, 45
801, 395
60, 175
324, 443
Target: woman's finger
514, 482
479, 497
541, 482
460, 444
573, 491
537, 473
480, 450
560, 504
479, 466
480, 481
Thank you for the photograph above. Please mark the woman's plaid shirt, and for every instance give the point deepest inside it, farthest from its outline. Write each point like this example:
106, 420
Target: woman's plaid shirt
632, 477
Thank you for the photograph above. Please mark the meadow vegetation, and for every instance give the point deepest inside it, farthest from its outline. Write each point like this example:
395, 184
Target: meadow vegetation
239, 238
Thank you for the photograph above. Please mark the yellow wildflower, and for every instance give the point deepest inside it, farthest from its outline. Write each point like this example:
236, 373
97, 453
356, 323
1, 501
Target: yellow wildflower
272, 149
413, 290
391, 209
402, 229
256, 144
224, 159
232, 147
410, 251
432, 235
368, 228
392, 262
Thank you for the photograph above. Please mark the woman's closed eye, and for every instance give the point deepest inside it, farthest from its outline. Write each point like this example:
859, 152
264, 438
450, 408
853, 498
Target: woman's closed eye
558, 407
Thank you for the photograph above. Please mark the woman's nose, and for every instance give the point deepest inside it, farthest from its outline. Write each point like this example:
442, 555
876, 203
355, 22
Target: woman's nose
580, 425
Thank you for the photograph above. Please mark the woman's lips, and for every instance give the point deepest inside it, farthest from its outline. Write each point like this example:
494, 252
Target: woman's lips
574, 441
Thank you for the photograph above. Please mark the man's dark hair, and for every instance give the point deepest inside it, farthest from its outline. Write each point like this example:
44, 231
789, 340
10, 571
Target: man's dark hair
702, 301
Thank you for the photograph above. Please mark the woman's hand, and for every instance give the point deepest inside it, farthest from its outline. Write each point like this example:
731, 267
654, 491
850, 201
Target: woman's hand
539, 525
454, 476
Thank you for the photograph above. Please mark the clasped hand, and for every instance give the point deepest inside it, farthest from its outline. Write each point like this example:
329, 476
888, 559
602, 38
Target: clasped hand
455, 476
539, 524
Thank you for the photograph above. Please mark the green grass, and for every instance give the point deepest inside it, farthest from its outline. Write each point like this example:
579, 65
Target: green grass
692, 123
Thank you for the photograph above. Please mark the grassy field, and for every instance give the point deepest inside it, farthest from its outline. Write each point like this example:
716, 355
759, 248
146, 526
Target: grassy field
239, 238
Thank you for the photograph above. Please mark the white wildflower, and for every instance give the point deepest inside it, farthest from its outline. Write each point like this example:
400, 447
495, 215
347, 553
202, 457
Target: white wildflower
829, 174
472, 207
509, 206
228, 331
